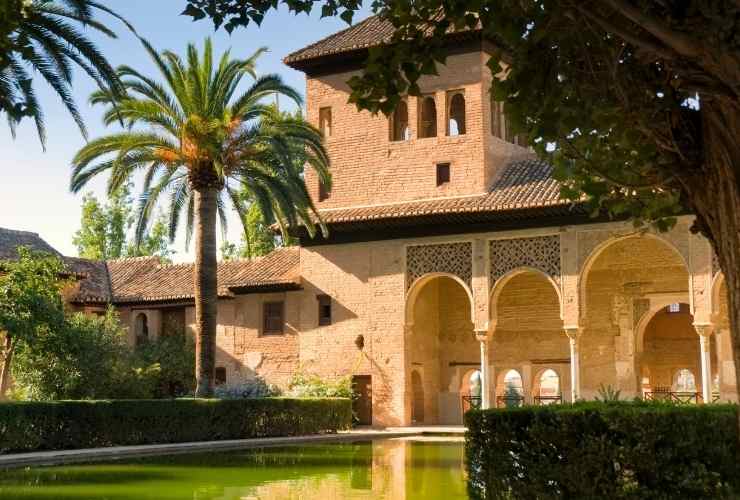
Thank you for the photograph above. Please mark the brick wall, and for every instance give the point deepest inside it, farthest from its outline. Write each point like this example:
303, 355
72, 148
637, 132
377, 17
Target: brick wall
368, 168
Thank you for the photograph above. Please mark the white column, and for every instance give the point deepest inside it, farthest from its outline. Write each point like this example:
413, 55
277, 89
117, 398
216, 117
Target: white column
705, 332
575, 378
482, 337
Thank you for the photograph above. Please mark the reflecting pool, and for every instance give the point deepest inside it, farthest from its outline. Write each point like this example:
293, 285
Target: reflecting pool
406, 468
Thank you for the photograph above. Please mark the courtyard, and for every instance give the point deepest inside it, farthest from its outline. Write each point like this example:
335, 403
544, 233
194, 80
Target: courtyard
399, 250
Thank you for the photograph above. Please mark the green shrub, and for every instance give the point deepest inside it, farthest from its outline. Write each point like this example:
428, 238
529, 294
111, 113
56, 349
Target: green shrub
84, 358
307, 385
87, 357
253, 388
596, 450
166, 366
57, 425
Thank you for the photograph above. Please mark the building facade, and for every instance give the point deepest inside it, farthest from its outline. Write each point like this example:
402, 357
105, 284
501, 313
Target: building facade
453, 273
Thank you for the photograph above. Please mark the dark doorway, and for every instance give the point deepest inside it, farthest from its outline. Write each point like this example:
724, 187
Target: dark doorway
362, 403
417, 403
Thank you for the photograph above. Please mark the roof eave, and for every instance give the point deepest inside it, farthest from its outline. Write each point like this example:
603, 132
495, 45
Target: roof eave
449, 223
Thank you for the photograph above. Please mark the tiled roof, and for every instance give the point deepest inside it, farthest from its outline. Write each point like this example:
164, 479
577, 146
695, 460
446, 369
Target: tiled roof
94, 282
11, 239
367, 33
144, 279
524, 184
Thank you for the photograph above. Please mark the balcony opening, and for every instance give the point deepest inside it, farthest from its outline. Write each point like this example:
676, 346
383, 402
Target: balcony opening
427, 117
400, 123
456, 113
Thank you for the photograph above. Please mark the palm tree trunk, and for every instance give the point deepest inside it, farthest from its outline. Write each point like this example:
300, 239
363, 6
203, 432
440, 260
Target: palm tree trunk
5, 367
206, 291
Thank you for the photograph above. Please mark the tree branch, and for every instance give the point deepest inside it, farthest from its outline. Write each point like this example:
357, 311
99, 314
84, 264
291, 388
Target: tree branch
628, 37
682, 44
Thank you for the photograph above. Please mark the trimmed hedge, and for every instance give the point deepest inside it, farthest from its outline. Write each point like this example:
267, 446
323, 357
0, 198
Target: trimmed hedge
58, 425
597, 450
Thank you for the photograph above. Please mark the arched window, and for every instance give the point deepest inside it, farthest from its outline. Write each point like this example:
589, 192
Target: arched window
497, 119
427, 117
471, 390
456, 113
513, 390
475, 385
549, 387
684, 381
142, 329
400, 123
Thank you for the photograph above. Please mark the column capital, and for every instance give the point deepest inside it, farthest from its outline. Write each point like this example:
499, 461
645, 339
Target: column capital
704, 330
481, 335
573, 332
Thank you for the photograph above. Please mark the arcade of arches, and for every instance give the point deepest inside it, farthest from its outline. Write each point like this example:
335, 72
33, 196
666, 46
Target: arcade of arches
645, 323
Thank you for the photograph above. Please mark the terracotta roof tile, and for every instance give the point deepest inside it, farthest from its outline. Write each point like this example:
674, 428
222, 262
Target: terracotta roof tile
145, 280
523, 184
94, 283
367, 33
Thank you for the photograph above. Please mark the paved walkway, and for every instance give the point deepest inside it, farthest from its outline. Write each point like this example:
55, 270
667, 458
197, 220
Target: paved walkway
58, 457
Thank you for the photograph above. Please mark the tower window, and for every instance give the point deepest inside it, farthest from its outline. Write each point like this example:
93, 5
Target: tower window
400, 123
674, 308
455, 113
324, 309
427, 117
443, 173
497, 119
323, 191
325, 121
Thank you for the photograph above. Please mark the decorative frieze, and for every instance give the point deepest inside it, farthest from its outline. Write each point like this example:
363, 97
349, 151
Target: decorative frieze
450, 258
539, 252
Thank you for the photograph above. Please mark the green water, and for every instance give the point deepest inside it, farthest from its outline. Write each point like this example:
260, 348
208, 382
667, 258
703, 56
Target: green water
382, 469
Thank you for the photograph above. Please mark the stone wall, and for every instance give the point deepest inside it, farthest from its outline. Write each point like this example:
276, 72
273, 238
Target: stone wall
624, 281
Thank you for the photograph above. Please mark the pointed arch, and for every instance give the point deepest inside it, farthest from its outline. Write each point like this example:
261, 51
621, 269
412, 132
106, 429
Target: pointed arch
399, 123
599, 250
419, 283
501, 283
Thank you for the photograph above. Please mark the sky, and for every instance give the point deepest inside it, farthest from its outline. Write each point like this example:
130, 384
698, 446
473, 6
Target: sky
34, 185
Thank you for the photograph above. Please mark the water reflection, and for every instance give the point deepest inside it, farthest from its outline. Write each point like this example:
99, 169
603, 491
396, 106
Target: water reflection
403, 469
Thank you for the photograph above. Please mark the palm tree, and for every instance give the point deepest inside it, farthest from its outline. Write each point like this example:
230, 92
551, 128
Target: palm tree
199, 142
44, 36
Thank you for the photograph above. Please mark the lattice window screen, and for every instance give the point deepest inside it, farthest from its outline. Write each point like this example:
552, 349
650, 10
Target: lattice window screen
539, 252
452, 258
